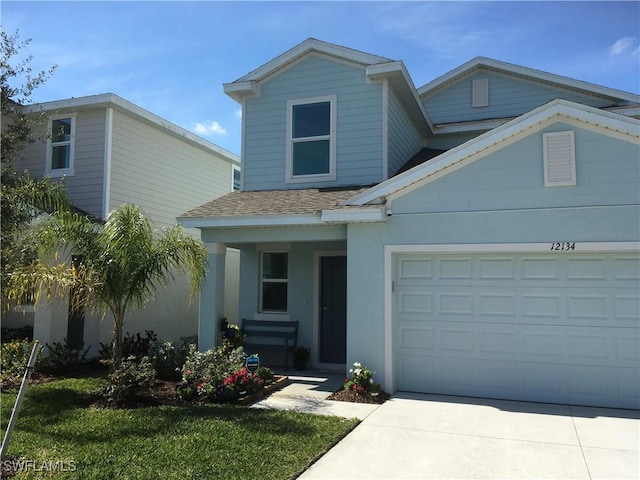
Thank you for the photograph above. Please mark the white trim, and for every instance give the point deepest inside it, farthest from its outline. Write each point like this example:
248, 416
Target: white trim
333, 117
391, 250
580, 247
315, 355
385, 129
466, 68
108, 144
262, 280
110, 100
69, 170
243, 142
216, 248
554, 111
251, 221
234, 169
309, 45
353, 215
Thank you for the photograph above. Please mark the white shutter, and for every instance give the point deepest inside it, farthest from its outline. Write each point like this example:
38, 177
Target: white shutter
559, 159
480, 93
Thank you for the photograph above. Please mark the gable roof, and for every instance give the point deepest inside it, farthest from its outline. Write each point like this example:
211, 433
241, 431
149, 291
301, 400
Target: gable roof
377, 68
111, 100
524, 72
556, 110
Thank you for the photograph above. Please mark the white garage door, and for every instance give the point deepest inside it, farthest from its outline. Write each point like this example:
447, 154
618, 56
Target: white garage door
561, 328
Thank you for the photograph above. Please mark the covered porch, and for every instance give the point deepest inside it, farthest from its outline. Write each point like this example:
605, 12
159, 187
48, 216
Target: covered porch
293, 264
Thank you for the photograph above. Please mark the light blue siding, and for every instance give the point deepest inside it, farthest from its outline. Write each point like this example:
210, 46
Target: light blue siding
404, 138
498, 199
508, 97
512, 178
359, 124
301, 283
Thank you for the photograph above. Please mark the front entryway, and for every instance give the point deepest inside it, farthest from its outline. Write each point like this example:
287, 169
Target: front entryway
333, 309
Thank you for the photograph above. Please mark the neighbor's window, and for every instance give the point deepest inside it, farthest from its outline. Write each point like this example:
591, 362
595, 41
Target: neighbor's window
60, 145
274, 282
311, 139
235, 182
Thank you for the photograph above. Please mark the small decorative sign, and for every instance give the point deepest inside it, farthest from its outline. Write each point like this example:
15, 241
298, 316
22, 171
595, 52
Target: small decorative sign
252, 362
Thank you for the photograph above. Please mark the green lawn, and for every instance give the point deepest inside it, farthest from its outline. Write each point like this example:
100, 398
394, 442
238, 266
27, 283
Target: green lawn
194, 442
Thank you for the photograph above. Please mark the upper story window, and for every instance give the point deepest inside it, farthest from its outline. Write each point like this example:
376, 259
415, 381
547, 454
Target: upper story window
235, 180
311, 139
60, 145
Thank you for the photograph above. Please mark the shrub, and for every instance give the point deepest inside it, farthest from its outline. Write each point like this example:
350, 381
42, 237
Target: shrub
169, 357
61, 356
132, 345
203, 373
266, 374
361, 380
10, 334
132, 376
14, 357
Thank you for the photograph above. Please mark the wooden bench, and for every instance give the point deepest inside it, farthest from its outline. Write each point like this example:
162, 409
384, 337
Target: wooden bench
270, 335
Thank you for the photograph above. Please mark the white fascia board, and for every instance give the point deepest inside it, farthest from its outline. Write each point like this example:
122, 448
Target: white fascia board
473, 126
354, 215
111, 100
527, 72
311, 44
251, 221
240, 90
398, 69
556, 108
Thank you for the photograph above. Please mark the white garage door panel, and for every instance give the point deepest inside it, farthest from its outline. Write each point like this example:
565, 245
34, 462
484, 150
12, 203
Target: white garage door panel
553, 328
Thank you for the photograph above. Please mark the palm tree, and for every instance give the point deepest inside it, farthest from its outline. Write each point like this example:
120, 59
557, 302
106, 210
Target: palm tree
117, 265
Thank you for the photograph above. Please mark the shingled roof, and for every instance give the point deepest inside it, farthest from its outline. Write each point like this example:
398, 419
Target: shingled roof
276, 202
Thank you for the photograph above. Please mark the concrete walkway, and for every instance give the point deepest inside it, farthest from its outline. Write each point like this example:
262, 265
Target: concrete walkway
440, 437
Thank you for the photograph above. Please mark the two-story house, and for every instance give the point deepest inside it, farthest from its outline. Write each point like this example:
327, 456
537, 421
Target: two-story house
108, 152
476, 236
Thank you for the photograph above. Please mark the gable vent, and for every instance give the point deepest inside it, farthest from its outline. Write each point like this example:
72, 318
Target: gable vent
559, 159
480, 93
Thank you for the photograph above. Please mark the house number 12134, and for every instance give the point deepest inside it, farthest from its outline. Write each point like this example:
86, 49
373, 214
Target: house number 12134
563, 246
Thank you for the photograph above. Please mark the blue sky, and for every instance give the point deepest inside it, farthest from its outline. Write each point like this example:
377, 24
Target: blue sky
172, 58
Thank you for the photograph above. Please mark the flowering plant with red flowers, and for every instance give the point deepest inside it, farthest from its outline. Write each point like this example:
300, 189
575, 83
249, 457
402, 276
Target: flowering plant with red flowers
361, 380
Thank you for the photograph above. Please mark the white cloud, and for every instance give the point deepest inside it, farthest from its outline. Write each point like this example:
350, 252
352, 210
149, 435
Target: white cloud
623, 45
239, 113
209, 128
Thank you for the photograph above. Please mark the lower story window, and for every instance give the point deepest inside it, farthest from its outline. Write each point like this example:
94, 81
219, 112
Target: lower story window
274, 282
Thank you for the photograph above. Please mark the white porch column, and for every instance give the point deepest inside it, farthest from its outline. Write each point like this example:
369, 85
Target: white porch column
212, 297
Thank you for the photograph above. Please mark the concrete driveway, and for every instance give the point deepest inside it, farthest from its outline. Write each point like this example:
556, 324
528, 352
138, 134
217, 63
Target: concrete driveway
440, 437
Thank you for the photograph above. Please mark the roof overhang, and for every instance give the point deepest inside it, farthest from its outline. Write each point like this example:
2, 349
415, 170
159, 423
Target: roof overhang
526, 72
556, 110
111, 100
325, 217
399, 80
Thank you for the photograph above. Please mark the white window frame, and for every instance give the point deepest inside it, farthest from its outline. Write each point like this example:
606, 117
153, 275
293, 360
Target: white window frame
234, 169
60, 172
321, 177
272, 280
569, 159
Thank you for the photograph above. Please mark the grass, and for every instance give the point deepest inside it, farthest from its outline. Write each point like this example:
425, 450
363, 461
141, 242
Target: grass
203, 442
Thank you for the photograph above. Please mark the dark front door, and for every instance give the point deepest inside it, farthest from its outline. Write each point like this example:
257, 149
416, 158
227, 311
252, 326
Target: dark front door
333, 309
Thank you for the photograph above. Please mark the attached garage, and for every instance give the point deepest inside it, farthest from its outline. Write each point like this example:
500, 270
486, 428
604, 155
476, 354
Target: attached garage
553, 324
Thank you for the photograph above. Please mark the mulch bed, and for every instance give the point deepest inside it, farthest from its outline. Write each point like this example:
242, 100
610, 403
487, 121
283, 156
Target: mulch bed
343, 395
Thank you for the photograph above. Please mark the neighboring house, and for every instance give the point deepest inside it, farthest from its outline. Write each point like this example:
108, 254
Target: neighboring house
108, 152
477, 236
